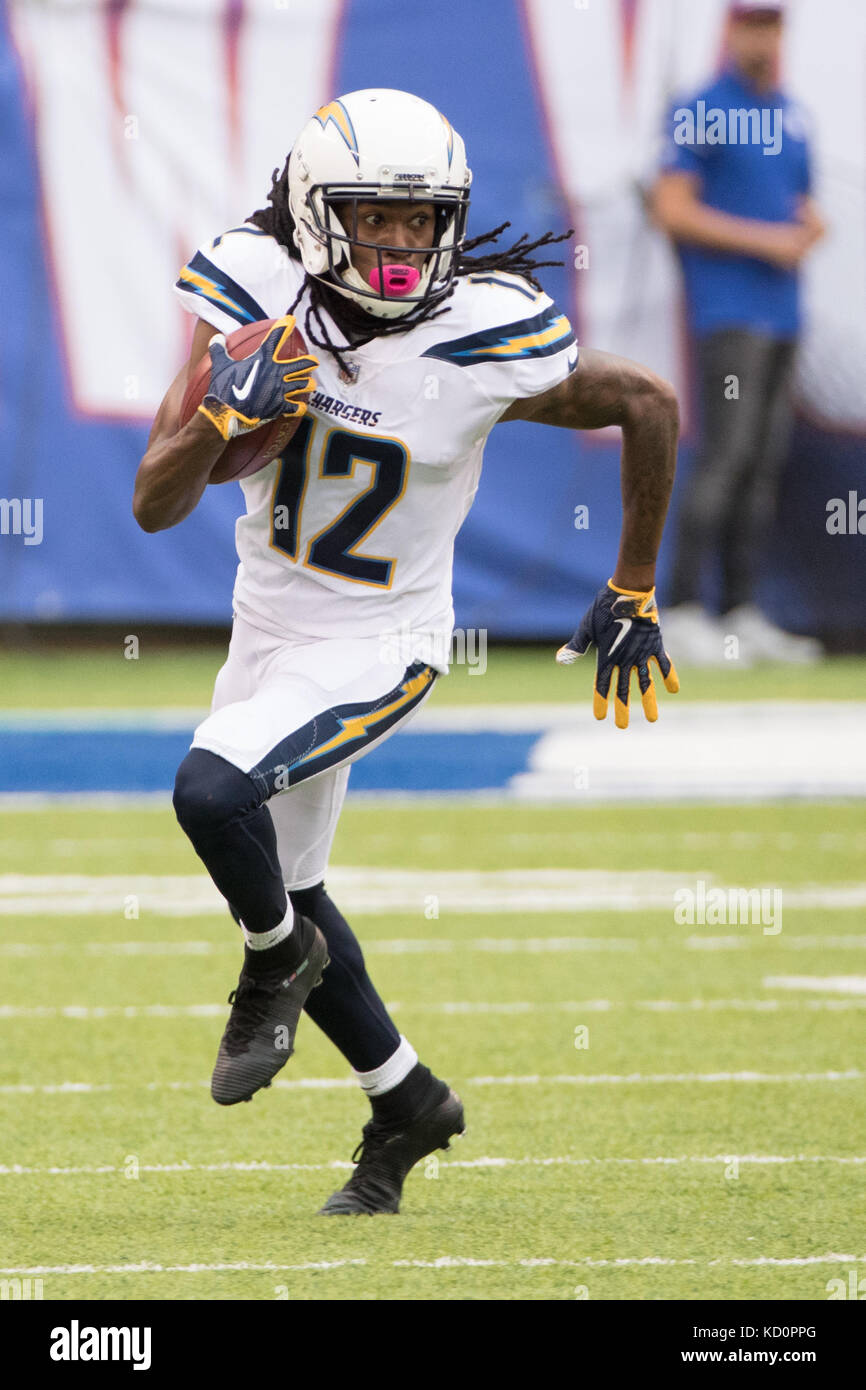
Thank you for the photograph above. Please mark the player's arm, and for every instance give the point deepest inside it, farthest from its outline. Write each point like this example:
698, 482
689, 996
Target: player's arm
678, 210
622, 622
607, 390
177, 463
242, 394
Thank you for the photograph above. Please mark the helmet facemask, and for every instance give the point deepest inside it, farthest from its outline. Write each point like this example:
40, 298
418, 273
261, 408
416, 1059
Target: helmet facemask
326, 201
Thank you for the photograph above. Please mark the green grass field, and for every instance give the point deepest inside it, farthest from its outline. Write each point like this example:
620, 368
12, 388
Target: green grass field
168, 675
701, 1144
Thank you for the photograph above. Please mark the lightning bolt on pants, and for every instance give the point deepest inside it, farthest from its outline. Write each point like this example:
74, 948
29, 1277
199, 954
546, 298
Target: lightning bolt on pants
262, 819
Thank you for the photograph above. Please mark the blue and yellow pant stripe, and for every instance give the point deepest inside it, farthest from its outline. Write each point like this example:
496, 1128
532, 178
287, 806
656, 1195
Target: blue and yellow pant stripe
340, 734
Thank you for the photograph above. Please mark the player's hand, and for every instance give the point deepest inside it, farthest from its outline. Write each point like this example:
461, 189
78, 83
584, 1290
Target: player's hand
248, 392
624, 626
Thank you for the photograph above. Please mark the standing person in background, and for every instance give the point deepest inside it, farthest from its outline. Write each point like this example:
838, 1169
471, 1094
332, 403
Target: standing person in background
734, 194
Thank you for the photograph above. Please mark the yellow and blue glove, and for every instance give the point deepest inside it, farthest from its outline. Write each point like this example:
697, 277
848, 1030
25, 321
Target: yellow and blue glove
244, 393
624, 626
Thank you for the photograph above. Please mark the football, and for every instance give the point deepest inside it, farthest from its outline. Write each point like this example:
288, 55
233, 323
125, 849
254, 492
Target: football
249, 452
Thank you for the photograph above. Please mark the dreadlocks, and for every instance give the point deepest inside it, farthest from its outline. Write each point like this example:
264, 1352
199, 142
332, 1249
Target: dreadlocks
356, 326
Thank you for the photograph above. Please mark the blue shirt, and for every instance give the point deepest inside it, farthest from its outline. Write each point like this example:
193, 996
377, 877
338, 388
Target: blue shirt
712, 135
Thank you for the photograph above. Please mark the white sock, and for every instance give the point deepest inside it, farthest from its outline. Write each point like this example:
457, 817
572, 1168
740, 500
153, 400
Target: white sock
263, 940
391, 1073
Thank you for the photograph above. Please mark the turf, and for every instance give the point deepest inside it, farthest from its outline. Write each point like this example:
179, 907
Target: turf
531, 1229
99, 676
563, 1188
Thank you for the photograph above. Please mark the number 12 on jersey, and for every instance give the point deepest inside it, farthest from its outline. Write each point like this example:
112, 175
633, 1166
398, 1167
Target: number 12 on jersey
332, 550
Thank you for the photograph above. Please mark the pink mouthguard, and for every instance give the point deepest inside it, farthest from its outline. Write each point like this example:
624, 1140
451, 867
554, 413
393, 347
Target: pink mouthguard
399, 280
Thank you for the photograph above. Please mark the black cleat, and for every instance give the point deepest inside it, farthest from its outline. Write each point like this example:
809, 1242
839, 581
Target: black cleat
385, 1155
260, 1035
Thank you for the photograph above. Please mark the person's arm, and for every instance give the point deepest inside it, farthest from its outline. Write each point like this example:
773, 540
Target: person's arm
809, 217
678, 210
177, 463
607, 390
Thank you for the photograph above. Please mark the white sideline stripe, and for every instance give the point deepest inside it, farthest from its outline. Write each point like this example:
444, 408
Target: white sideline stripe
518, 717
175, 718
15, 1170
87, 1013
360, 890
835, 984
376, 891
385, 947
63, 1088
443, 1262
145, 1267
639, 1078
500, 944
85, 801
732, 753
328, 1083
400, 946
92, 1013
787, 840
848, 942
118, 948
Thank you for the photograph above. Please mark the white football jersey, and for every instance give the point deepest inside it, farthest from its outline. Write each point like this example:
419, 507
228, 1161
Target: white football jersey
351, 532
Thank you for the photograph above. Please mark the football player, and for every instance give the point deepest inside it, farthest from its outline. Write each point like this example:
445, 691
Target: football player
342, 602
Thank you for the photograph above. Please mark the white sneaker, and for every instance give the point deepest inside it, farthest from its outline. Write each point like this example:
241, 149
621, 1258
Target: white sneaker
761, 640
692, 636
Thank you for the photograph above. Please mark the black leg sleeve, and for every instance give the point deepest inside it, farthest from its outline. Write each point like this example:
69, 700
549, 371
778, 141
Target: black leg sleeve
232, 833
346, 1006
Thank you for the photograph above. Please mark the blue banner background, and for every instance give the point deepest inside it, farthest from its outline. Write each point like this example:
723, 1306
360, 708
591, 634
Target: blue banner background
522, 570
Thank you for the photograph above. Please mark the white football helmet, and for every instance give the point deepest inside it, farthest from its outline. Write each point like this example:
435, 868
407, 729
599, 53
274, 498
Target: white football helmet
378, 144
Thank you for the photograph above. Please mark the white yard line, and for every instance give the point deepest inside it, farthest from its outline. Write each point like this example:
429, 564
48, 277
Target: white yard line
399, 946
438, 714
852, 941
146, 1267
759, 1260
665, 1078
169, 718
568, 1079
96, 1012
26, 949
443, 1262
363, 891
831, 984
15, 1170
85, 801
86, 1013
667, 840
384, 947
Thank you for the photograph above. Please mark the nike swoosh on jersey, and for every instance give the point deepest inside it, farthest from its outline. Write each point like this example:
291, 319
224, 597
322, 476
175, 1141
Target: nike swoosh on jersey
624, 627
241, 393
